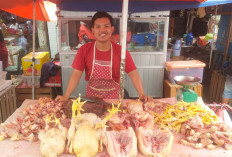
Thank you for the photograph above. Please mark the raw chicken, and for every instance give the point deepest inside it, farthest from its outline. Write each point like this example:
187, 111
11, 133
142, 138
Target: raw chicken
121, 143
156, 106
87, 140
143, 119
119, 122
139, 116
134, 107
156, 143
53, 141
195, 122
85, 133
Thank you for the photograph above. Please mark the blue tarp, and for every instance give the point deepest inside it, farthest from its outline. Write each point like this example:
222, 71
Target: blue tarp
134, 5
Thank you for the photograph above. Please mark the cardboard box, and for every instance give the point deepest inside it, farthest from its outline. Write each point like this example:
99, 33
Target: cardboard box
40, 59
27, 81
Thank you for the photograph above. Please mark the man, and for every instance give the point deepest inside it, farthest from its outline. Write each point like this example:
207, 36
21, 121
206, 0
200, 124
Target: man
227, 93
101, 62
3, 51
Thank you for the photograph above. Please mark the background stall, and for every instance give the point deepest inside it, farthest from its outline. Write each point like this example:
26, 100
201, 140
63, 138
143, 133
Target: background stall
149, 61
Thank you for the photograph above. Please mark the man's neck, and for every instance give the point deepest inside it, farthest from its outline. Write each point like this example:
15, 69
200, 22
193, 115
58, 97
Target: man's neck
103, 46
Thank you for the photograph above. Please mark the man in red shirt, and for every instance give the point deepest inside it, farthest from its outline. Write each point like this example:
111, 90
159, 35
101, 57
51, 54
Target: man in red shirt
101, 62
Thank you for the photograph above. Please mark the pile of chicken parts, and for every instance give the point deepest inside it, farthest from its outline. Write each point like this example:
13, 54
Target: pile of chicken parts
32, 121
200, 126
210, 136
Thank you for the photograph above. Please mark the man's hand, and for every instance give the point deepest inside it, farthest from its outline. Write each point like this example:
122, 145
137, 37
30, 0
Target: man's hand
145, 98
61, 98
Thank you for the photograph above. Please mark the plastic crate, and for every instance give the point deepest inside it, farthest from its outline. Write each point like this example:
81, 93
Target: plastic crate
27, 81
185, 68
2, 76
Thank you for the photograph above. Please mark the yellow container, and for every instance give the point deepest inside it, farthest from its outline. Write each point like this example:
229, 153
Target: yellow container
40, 59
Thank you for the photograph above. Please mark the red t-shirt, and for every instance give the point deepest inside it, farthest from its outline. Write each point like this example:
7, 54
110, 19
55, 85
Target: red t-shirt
4, 55
84, 60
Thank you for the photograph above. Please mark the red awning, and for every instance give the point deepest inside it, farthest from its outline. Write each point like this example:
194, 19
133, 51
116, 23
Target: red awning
24, 8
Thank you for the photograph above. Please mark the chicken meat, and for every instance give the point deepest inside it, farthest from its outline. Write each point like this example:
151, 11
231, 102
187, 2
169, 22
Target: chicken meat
121, 143
85, 138
53, 141
156, 143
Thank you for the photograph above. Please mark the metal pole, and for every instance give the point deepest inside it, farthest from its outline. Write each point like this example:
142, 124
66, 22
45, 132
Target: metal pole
212, 44
123, 34
157, 40
33, 54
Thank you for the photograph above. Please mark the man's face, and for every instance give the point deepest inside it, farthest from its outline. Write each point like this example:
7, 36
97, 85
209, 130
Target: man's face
102, 29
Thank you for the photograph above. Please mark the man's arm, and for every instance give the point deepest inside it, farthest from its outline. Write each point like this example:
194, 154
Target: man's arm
72, 84
135, 78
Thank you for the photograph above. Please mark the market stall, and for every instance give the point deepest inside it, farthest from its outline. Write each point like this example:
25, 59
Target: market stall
34, 116
26, 148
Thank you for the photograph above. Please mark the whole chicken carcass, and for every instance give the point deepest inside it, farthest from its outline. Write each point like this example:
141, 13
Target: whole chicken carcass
86, 139
53, 141
155, 143
121, 143
85, 142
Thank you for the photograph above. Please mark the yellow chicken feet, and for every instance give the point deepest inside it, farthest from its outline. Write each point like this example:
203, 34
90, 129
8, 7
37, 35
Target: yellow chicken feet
111, 113
77, 107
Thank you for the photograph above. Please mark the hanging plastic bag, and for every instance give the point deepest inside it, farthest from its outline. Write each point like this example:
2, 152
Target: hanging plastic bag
227, 118
223, 113
220, 113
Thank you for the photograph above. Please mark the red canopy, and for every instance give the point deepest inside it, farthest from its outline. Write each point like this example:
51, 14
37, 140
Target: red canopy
24, 8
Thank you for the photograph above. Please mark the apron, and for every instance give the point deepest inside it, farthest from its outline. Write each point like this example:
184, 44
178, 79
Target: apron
101, 83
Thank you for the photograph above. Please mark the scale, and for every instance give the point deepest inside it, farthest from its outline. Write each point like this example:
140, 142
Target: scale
185, 93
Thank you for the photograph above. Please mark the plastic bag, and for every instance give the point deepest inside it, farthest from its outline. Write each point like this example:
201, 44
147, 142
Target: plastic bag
220, 113
223, 113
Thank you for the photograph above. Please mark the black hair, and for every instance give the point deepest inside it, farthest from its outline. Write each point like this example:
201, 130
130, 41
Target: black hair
101, 14
1, 36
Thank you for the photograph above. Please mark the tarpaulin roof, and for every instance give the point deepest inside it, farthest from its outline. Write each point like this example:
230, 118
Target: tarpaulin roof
24, 8
135, 5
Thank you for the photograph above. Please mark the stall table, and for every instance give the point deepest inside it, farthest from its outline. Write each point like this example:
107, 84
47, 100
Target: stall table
28, 149
7, 100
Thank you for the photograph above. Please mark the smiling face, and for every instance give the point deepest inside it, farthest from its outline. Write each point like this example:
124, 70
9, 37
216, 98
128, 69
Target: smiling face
102, 30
